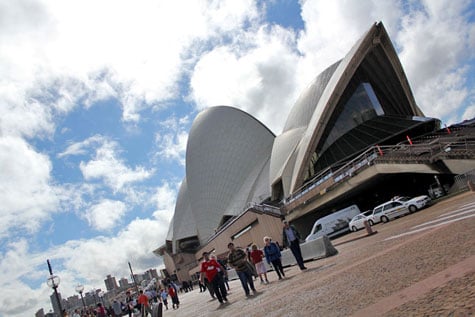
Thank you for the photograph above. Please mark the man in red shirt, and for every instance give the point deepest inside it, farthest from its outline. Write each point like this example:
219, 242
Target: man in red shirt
211, 268
144, 305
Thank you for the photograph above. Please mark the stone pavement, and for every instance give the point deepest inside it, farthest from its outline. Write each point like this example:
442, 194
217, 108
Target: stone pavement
420, 265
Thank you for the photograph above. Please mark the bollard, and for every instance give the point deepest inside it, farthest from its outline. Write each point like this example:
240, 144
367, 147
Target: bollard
369, 230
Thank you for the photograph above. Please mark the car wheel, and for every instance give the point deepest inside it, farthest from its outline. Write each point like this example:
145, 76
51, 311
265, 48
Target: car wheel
384, 219
354, 229
371, 223
412, 208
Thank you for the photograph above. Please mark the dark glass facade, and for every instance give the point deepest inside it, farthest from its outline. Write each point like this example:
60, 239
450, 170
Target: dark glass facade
362, 106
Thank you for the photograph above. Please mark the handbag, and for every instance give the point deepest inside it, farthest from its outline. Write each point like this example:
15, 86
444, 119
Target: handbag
251, 268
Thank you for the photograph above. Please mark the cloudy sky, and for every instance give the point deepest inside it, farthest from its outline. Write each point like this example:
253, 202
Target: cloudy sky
97, 98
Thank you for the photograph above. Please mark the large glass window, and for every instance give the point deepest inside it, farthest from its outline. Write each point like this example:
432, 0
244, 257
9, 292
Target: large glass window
362, 106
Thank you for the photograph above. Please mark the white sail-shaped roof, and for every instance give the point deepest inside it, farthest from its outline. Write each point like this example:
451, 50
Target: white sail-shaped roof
227, 159
311, 114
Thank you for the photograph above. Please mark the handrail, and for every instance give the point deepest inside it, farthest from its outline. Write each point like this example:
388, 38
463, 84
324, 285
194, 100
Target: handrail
427, 152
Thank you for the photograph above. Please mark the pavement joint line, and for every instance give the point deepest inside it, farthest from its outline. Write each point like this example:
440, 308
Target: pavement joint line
445, 217
368, 259
418, 289
429, 227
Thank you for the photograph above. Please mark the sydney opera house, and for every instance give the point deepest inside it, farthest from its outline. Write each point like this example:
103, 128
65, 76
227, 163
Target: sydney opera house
355, 129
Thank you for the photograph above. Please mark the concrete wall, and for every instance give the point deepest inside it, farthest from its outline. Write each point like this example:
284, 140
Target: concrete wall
311, 250
262, 225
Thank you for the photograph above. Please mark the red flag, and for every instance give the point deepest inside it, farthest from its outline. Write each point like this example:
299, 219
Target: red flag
448, 129
409, 139
379, 150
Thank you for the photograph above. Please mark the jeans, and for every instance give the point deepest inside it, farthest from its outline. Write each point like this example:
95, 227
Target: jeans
219, 289
246, 278
295, 248
277, 264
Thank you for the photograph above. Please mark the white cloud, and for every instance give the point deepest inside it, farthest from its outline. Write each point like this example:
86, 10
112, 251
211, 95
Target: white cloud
172, 139
172, 146
135, 52
259, 79
81, 148
16, 266
435, 48
105, 215
469, 112
73, 263
27, 195
111, 169
164, 200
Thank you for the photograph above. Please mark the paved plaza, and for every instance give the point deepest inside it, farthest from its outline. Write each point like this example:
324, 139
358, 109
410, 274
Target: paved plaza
420, 265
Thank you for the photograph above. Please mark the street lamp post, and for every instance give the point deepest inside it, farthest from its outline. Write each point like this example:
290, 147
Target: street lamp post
53, 282
133, 278
94, 295
80, 289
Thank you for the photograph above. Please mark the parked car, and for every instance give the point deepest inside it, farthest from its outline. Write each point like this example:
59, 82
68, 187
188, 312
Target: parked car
333, 224
414, 204
368, 212
357, 222
387, 211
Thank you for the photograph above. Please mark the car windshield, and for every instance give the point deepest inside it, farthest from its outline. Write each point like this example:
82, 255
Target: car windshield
404, 198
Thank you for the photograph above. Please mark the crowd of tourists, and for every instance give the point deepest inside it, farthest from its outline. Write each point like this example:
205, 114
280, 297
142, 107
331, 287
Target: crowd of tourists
248, 264
142, 304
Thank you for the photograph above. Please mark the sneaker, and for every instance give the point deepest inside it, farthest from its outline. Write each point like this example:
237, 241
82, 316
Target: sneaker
267, 281
303, 268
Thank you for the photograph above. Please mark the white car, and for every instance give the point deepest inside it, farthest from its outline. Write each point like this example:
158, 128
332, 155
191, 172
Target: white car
414, 204
387, 211
357, 222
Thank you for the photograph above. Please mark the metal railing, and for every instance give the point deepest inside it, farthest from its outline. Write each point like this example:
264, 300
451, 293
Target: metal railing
461, 182
427, 151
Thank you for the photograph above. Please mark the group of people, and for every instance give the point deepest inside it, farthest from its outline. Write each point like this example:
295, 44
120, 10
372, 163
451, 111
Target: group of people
249, 264
134, 304
143, 302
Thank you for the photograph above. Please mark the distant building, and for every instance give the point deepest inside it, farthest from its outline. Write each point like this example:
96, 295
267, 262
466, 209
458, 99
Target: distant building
124, 283
152, 274
40, 313
110, 282
55, 304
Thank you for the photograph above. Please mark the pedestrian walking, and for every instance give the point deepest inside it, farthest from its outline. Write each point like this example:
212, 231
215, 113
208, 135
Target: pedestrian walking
210, 268
174, 296
129, 302
144, 304
273, 256
257, 257
164, 296
116, 308
238, 260
291, 239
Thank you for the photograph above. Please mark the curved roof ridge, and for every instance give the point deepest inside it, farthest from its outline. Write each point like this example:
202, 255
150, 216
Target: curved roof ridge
375, 36
224, 146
